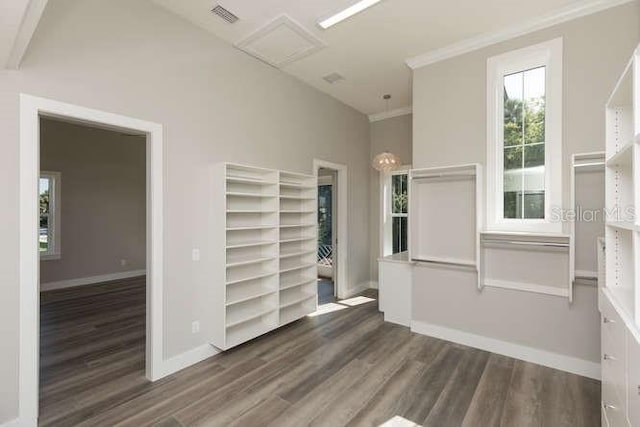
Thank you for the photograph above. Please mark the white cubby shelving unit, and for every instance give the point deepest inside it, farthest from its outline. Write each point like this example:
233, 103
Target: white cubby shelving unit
619, 298
263, 237
622, 178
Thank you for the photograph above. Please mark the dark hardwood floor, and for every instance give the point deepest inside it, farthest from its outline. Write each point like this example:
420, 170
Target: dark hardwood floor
345, 367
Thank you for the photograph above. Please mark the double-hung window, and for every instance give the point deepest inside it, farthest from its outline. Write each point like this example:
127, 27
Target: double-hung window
49, 226
395, 211
524, 153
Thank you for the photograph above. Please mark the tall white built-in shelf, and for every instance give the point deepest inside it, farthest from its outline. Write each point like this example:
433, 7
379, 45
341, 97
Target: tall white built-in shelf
622, 192
263, 237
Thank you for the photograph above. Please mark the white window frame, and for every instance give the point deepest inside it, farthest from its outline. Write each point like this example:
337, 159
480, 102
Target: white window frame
548, 54
386, 214
54, 239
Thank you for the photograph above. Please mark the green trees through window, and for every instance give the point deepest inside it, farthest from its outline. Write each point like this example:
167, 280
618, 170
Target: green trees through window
524, 144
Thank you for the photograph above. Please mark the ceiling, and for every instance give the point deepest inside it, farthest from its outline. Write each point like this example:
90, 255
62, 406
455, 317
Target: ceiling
369, 50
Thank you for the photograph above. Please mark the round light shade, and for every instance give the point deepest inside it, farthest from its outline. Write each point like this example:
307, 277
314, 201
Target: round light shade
386, 162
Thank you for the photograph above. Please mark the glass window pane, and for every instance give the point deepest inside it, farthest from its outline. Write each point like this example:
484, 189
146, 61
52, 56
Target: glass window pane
511, 204
325, 220
43, 234
399, 238
534, 155
513, 109
513, 158
534, 205
399, 193
535, 108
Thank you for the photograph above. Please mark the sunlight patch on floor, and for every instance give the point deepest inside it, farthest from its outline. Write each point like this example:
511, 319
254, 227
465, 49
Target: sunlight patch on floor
398, 421
356, 301
327, 308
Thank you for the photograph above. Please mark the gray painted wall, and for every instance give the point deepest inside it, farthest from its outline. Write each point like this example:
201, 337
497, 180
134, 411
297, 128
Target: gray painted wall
103, 210
216, 104
450, 128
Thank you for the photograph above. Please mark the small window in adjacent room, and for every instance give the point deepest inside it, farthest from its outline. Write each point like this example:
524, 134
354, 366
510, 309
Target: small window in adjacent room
399, 212
49, 227
525, 138
395, 211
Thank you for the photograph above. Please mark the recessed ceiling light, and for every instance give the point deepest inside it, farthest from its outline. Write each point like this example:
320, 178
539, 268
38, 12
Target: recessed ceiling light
347, 13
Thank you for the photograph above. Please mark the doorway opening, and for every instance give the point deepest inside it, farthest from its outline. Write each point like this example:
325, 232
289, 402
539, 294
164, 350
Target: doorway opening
92, 243
332, 231
42, 227
326, 235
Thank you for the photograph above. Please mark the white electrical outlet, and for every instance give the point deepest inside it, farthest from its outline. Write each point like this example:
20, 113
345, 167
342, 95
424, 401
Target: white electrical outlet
195, 327
123, 262
195, 254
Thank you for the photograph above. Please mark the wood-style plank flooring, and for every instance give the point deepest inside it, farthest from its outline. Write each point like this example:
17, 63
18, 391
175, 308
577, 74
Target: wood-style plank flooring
345, 367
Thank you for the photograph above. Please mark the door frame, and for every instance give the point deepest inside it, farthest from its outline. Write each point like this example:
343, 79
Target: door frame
340, 189
31, 109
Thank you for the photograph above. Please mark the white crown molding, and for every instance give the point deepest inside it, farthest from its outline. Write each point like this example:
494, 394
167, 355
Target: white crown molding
573, 11
390, 114
26, 30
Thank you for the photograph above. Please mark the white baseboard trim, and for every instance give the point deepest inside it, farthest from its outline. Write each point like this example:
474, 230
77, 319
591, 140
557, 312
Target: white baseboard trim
62, 284
517, 351
186, 359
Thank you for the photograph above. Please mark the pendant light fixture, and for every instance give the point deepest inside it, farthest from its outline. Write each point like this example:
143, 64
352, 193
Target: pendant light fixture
386, 162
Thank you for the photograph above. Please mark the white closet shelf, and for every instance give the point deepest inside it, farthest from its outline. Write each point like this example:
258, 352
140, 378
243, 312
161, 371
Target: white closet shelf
293, 312
295, 254
298, 267
307, 281
296, 185
251, 195
297, 225
247, 180
252, 227
295, 211
251, 244
250, 317
248, 261
251, 297
254, 277
298, 239
297, 300
296, 197
624, 225
249, 211
623, 156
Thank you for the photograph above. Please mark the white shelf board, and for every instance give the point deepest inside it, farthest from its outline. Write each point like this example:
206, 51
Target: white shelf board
295, 254
303, 282
298, 300
298, 267
623, 156
298, 239
238, 337
250, 317
251, 297
248, 261
247, 180
249, 211
295, 211
251, 244
297, 225
252, 227
250, 195
623, 225
254, 277
284, 197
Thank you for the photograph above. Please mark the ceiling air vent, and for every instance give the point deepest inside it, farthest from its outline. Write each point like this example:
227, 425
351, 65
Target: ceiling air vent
224, 14
333, 78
